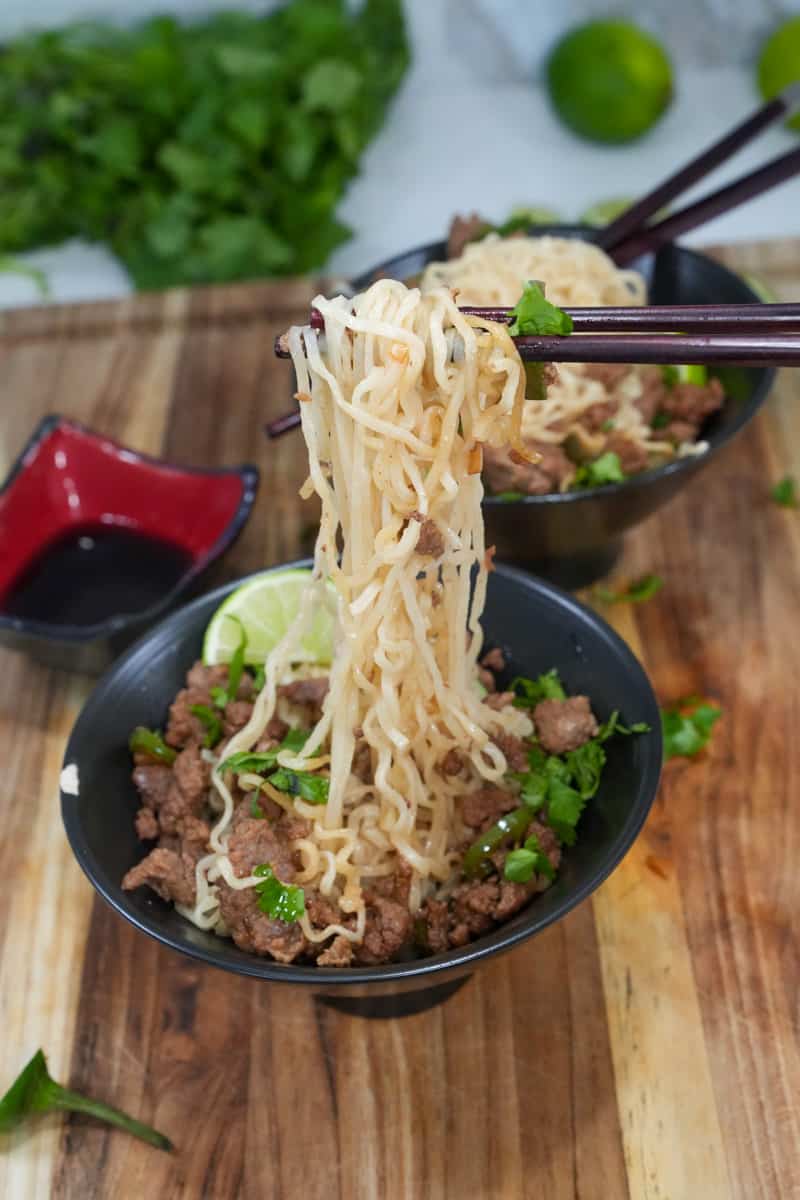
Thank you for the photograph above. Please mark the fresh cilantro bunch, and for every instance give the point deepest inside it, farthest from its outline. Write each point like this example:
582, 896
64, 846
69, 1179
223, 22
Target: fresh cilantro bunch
198, 153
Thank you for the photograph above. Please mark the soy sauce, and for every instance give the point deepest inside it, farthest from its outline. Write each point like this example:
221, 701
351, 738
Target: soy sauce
94, 572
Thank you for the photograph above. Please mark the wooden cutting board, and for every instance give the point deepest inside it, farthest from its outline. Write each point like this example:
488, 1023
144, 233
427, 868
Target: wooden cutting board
645, 1047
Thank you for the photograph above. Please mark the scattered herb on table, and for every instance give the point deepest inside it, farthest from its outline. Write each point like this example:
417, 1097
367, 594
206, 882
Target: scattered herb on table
33, 1091
605, 469
635, 593
687, 727
785, 492
150, 742
200, 152
533, 314
281, 901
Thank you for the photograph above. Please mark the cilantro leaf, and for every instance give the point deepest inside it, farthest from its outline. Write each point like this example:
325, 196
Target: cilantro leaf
281, 901
605, 469
507, 497
257, 763
586, 766
210, 721
35, 1091
256, 811
785, 492
529, 860
533, 314
258, 680
686, 733
564, 807
660, 420
636, 593
529, 692
313, 788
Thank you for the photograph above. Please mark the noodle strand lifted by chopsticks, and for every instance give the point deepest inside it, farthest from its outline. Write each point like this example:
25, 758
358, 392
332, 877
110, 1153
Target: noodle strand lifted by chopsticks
392, 431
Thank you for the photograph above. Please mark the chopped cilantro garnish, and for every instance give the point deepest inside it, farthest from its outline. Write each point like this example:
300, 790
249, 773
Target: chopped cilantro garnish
607, 426
521, 865
686, 733
210, 721
534, 314
670, 375
281, 901
508, 496
150, 741
605, 469
221, 695
636, 592
313, 788
258, 679
529, 692
660, 420
255, 808
785, 492
246, 761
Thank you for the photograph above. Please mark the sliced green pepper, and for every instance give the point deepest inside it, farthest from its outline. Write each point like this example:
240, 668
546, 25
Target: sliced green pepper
150, 741
509, 827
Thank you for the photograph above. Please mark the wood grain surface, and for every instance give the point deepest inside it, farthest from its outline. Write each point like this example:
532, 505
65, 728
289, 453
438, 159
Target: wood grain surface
644, 1048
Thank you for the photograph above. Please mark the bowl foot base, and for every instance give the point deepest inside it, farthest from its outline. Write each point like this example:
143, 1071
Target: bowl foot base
577, 570
408, 1004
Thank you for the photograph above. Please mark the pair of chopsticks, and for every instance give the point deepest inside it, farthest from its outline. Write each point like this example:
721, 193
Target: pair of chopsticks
629, 235
741, 334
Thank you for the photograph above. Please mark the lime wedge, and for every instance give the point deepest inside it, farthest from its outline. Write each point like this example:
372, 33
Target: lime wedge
692, 373
266, 606
603, 212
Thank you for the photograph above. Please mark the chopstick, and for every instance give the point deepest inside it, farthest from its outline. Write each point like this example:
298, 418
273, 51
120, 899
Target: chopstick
750, 335
633, 220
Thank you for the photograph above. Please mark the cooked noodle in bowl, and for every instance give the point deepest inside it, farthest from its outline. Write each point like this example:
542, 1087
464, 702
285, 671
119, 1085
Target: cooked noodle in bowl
632, 412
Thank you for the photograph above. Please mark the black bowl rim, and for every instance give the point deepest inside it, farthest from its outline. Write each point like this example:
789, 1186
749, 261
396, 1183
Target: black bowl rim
642, 479
462, 959
48, 631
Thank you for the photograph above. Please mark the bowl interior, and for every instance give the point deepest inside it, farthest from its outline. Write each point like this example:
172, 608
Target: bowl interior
538, 627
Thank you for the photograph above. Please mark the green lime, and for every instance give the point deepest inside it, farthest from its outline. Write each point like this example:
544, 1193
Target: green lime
692, 373
609, 81
266, 606
603, 212
779, 64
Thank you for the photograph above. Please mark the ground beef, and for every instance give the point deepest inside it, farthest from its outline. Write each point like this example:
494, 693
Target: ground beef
169, 874
494, 660
361, 765
191, 777
487, 679
632, 456
595, 416
501, 474
693, 402
388, 929
609, 374
194, 834
452, 763
237, 714
563, 725
308, 694
481, 809
256, 932
653, 389
338, 954
255, 841
274, 733
436, 916
549, 845
321, 912
430, 543
396, 886
464, 230
499, 700
514, 750
147, 824
153, 784
678, 432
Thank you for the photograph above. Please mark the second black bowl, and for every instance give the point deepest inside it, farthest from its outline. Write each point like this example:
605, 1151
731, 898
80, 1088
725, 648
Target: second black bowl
538, 626
572, 538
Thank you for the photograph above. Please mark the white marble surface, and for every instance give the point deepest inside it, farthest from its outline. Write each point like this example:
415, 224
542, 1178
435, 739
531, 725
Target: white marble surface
471, 131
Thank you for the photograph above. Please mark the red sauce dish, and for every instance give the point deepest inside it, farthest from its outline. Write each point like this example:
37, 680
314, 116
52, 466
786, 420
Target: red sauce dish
97, 541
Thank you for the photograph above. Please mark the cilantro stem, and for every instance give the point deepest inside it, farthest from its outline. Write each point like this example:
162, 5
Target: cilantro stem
62, 1098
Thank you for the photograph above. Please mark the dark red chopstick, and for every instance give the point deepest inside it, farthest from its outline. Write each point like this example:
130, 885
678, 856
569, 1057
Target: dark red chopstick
726, 198
672, 318
753, 350
633, 219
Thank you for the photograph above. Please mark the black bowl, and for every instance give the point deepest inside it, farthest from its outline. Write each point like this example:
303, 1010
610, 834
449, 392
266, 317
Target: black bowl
549, 629
572, 538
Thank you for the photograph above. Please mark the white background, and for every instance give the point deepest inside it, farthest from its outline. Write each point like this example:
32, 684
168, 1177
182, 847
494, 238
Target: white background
472, 127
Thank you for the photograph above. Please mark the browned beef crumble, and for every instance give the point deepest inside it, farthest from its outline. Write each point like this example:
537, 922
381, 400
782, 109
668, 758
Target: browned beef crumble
481, 809
514, 749
504, 474
494, 660
464, 230
563, 725
430, 543
309, 694
499, 700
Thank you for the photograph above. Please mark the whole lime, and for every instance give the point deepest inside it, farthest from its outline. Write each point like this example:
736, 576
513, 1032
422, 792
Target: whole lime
779, 64
609, 81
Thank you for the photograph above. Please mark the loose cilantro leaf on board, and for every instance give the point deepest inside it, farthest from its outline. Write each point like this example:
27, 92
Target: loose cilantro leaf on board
687, 731
605, 469
528, 692
635, 593
250, 762
785, 492
281, 901
150, 742
534, 314
34, 1091
210, 721
313, 788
